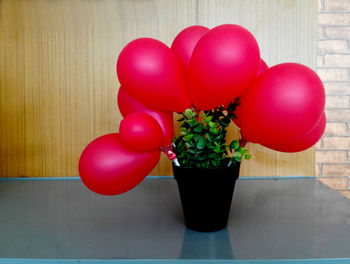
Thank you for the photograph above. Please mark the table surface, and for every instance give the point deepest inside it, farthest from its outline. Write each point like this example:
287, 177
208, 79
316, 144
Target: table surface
277, 218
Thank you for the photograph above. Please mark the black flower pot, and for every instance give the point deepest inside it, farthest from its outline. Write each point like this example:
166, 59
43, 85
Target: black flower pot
206, 195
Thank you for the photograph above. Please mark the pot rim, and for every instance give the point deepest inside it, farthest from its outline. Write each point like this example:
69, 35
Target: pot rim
212, 168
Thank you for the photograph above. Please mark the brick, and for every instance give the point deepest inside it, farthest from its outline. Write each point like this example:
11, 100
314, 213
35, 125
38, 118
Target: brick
318, 145
333, 74
320, 33
337, 32
337, 60
319, 5
337, 88
335, 129
333, 18
336, 5
346, 193
336, 143
337, 101
336, 170
319, 61
317, 170
332, 46
337, 115
327, 156
337, 183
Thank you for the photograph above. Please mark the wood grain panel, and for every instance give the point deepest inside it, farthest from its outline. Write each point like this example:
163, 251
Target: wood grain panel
58, 86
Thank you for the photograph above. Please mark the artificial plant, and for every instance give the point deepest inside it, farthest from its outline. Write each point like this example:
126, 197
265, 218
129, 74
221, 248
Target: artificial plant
202, 141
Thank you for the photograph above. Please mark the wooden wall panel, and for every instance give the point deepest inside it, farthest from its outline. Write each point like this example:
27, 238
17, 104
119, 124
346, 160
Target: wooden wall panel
58, 86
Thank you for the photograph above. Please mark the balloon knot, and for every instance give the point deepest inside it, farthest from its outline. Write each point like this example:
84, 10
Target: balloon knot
168, 150
171, 155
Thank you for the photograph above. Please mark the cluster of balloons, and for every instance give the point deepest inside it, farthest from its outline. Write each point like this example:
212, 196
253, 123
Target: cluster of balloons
281, 107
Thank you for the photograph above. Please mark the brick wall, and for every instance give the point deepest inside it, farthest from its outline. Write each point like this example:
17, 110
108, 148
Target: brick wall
333, 150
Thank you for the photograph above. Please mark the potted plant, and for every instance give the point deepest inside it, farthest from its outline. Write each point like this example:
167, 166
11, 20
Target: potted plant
207, 167
282, 109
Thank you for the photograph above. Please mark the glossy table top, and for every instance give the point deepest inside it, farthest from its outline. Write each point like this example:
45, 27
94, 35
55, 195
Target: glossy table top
294, 218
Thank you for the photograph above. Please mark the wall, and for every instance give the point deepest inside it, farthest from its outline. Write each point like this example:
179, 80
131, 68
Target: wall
332, 152
58, 86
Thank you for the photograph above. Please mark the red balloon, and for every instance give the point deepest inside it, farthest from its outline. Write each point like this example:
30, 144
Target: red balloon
282, 105
262, 67
128, 105
107, 167
151, 73
224, 62
306, 141
141, 132
238, 120
185, 42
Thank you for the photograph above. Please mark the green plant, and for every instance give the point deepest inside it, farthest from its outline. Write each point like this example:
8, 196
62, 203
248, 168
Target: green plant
202, 139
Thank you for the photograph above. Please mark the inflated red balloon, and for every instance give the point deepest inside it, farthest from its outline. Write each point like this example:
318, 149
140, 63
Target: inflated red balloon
223, 64
107, 167
141, 132
306, 141
184, 43
262, 67
128, 105
151, 73
238, 120
283, 104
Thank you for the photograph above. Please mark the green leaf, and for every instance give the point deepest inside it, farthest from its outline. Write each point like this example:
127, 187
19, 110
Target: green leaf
217, 150
247, 156
209, 137
212, 155
238, 155
219, 137
210, 145
192, 151
198, 128
202, 158
208, 119
197, 137
188, 137
214, 131
212, 124
188, 112
201, 143
193, 123
235, 144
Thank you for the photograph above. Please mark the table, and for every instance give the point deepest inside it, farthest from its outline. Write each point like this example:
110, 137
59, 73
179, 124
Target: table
282, 219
